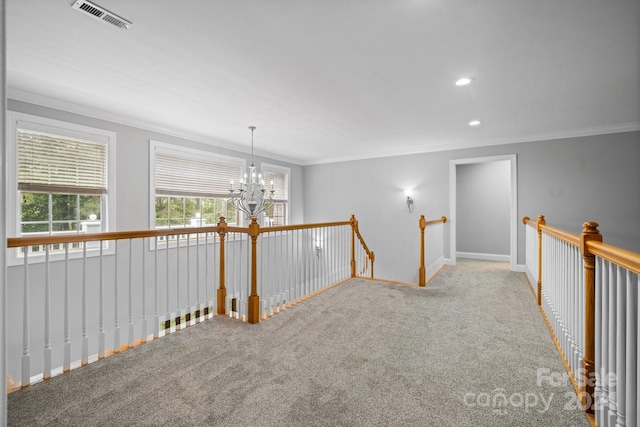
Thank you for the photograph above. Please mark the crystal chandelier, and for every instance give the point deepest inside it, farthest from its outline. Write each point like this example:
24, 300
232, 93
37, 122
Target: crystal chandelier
251, 198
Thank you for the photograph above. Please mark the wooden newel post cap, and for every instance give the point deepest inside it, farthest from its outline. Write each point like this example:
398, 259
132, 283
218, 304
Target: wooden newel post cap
525, 219
422, 223
590, 232
590, 227
444, 219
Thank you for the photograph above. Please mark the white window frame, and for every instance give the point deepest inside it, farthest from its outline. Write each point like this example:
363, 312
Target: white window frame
155, 146
17, 120
282, 169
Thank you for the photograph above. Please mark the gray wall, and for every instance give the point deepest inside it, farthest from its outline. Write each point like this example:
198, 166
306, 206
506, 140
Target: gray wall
573, 180
570, 181
132, 163
483, 207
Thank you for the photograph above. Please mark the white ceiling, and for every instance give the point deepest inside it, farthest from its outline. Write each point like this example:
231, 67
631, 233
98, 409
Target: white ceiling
330, 80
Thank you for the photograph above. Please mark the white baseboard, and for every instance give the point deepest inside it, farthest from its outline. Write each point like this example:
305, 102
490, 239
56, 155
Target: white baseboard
448, 261
485, 257
521, 268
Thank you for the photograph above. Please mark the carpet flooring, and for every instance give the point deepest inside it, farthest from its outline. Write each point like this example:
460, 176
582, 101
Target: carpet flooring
471, 349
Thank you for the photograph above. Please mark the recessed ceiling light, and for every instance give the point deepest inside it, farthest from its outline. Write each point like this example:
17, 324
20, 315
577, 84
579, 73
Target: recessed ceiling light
464, 81
475, 122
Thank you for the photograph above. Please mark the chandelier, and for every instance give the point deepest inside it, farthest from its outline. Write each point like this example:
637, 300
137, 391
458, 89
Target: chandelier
251, 198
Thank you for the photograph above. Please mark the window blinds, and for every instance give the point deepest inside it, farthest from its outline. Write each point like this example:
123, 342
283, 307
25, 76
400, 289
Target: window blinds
56, 164
280, 183
184, 175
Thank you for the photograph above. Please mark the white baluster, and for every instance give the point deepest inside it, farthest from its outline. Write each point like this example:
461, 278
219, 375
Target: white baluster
178, 315
632, 356
116, 302
101, 334
26, 356
621, 351
85, 336
603, 366
198, 305
131, 338
611, 369
188, 306
66, 366
156, 310
598, 340
144, 292
47, 314
166, 264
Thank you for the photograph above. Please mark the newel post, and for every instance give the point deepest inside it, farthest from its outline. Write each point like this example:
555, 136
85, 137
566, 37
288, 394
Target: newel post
589, 233
354, 227
222, 291
422, 223
541, 222
253, 315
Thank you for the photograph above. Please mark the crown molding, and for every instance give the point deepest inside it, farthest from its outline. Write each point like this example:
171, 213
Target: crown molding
70, 107
546, 136
31, 98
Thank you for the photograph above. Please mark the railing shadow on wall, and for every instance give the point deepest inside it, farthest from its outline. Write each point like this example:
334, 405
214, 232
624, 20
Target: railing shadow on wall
587, 291
79, 298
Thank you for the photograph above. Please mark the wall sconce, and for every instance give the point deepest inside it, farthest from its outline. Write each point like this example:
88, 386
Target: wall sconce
407, 193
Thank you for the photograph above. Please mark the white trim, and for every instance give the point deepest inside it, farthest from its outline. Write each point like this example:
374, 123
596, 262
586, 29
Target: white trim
3, 208
545, 136
513, 241
95, 113
522, 268
16, 120
485, 257
23, 96
287, 171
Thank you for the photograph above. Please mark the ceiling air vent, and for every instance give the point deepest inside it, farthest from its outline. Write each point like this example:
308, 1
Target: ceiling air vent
100, 13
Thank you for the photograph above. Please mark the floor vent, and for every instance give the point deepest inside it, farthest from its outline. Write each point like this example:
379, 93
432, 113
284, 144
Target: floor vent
100, 13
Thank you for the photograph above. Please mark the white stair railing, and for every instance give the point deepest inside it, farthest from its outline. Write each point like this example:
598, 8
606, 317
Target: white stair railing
590, 297
431, 248
617, 344
563, 296
297, 263
69, 312
98, 295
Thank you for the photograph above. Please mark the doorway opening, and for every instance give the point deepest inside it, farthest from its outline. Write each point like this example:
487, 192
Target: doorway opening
512, 204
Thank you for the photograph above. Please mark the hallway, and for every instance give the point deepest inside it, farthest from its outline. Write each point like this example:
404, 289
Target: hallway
471, 349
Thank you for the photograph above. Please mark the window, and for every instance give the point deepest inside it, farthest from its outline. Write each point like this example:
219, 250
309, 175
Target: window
191, 187
61, 180
277, 176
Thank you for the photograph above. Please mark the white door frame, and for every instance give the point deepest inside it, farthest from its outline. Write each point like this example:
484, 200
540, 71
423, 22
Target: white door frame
513, 202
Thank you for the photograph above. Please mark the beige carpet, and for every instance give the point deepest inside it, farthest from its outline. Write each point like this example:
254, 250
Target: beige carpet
471, 349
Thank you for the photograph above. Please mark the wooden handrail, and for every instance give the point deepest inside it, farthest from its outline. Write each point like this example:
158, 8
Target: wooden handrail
302, 226
572, 239
528, 221
16, 242
622, 257
355, 232
442, 219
